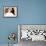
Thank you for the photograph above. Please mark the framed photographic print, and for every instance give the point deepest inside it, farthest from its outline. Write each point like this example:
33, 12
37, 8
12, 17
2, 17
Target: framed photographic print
32, 32
10, 11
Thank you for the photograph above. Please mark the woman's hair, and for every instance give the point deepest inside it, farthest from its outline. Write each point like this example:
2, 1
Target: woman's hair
6, 10
13, 11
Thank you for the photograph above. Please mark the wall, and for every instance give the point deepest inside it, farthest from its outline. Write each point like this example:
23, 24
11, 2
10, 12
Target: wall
29, 12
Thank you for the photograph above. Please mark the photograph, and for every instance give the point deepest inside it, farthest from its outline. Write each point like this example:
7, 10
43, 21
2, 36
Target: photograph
10, 11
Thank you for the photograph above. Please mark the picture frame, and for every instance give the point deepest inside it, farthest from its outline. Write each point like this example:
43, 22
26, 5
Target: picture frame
10, 11
34, 30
